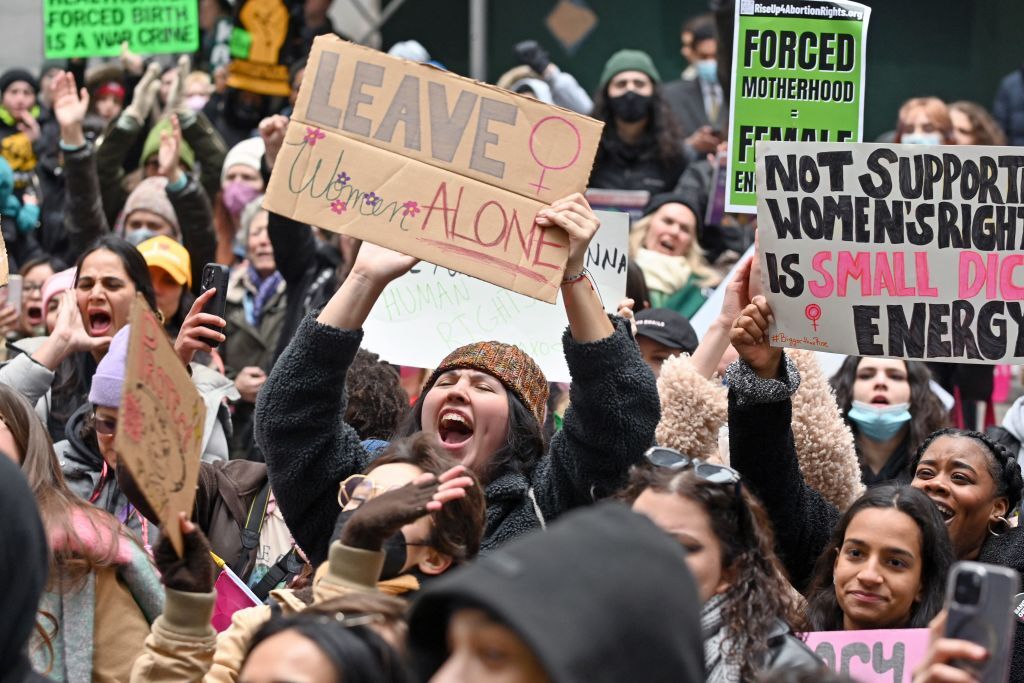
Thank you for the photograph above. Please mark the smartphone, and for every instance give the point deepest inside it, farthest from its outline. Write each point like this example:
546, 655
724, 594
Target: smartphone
979, 600
14, 287
215, 276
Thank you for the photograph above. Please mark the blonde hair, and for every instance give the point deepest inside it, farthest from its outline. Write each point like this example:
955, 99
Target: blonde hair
694, 256
937, 111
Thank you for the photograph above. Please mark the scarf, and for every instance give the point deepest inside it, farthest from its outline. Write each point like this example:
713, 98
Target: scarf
717, 640
663, 273
265, 288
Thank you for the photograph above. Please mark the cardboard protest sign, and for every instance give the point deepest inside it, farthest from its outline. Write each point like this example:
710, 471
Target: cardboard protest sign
160, 422
432, 164
257, 42
798, 75
442, 309
907, 251
882, 656
96, 28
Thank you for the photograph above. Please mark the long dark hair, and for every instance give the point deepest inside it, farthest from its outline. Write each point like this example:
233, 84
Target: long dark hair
524, 441
662, 135
357, 653
926, 410
1002, 463
823, 610
759, 592
134, 264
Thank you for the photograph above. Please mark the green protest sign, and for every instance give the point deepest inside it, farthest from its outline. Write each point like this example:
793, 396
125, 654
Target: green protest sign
96, 28
797, 76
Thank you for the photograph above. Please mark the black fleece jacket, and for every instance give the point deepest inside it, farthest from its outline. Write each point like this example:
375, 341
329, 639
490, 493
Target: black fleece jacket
309, 449
761, 449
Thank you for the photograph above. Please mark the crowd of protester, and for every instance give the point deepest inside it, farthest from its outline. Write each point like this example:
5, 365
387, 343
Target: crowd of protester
697, 503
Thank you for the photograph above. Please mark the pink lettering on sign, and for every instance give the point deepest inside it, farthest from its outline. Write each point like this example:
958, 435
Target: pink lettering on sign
553, 165
880, 273
882, 656
995, 273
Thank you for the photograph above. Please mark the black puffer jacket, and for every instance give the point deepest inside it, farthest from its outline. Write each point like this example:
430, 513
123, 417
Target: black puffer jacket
309, 449
761, 448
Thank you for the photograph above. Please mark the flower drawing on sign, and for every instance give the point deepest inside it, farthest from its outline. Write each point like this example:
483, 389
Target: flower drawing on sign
314, 134
410, 208
133, 422
343, 178
338, 206
372, 199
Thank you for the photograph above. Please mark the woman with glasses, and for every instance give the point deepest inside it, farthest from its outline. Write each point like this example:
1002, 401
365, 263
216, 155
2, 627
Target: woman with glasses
748, 604
103, 592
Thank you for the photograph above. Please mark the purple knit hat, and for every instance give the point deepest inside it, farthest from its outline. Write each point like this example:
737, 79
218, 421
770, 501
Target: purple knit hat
109, 378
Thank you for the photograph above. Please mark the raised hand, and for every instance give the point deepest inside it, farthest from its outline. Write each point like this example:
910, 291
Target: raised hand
384, 515
380, 264
749, 336
574, 215
193, 333
169, 154
69, 107
69, 335
195, 571
28, 125
626, 311
176, 96
272, 130
145, 95
249, 381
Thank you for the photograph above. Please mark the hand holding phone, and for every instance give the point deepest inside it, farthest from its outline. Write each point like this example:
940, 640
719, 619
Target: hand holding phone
979, 602
215, 276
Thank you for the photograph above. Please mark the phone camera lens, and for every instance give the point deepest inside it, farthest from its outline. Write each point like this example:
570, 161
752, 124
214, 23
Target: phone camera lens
968, 589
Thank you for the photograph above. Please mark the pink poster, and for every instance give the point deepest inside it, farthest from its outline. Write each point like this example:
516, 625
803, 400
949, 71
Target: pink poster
884, 656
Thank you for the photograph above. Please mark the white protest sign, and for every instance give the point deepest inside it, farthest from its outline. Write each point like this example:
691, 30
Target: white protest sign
906, 251
424, 315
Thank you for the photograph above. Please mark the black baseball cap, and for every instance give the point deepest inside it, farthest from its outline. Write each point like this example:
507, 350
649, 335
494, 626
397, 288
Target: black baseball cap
668, 328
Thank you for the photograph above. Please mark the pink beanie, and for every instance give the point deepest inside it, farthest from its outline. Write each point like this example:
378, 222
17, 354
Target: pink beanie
57, 283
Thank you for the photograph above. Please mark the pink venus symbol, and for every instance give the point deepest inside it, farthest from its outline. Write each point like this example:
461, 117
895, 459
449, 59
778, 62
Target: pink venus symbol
813, 313
553, 166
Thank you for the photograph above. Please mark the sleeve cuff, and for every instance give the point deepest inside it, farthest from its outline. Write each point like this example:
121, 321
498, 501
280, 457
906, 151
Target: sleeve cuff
178, 185
354, 568
749, 389
189, 613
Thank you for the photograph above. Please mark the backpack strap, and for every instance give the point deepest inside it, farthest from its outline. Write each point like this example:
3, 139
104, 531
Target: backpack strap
286, 567
253, 525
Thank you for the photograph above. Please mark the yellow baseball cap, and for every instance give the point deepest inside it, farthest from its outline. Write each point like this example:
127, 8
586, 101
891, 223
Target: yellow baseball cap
163, 252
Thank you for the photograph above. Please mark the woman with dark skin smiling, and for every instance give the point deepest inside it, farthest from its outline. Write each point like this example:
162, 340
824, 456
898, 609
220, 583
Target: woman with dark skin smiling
974, 482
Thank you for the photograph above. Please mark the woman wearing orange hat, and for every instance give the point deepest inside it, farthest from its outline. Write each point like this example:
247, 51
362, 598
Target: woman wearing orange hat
485, 404
170, 268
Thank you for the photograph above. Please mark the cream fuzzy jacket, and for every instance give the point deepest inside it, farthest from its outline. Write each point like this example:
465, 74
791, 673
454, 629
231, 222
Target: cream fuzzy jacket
694, 409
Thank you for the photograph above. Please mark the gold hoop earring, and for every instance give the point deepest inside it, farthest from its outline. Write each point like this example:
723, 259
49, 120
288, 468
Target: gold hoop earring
1006, 525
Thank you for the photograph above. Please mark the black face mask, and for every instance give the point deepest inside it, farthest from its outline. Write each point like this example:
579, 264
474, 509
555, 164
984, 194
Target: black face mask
394, 548
631, 107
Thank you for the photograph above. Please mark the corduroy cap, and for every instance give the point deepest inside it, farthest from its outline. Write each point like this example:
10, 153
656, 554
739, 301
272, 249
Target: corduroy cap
510, 364
629, 60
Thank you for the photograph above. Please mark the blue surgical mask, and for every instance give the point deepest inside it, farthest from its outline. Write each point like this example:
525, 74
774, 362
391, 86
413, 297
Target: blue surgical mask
879, 422
921, 139
137, 237
707, 71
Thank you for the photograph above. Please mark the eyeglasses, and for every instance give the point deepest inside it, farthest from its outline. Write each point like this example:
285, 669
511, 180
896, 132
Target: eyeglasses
672, 459
107, 426
361, 488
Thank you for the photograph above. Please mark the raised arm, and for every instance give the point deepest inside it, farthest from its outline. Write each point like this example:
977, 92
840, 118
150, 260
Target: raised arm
761, 444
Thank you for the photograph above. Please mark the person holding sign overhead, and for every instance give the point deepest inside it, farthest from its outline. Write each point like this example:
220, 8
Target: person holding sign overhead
485, 404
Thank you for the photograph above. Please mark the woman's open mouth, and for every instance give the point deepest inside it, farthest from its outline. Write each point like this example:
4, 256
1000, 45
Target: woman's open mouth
34, 315
100, 323
947, 512
879, 399
454, 429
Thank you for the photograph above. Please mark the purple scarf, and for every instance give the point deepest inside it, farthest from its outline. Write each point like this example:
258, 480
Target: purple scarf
265, 288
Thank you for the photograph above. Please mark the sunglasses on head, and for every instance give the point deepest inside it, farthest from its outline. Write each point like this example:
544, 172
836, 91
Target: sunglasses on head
671, 459
360, 488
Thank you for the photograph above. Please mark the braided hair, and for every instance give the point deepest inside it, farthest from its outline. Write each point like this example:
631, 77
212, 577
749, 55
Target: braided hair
1002, 465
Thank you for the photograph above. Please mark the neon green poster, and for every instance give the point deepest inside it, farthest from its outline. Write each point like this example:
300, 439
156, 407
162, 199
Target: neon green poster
797, 76
96, 28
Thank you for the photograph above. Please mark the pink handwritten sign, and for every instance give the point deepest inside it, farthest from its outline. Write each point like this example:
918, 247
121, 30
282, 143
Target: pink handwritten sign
883, 656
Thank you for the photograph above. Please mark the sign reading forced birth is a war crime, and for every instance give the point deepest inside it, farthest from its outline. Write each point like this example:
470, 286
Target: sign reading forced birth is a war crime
907, 251
798, 76
433, 165
96, 28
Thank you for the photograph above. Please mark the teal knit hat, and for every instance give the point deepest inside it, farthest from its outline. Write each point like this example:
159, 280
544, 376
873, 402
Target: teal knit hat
629, 60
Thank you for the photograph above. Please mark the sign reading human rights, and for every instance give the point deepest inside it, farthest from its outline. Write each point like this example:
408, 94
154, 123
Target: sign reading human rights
96, 28
906, 251
798, 75
433, 165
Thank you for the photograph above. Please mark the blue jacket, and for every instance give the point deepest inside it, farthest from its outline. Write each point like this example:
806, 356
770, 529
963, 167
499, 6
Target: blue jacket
1008, 109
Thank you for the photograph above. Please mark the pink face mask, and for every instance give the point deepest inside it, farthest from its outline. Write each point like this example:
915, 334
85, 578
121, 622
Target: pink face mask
236, 195
196, 102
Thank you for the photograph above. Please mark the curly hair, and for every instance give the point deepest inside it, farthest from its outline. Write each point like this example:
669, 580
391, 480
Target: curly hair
926, 410
759, 592
662, 134
377, 403
823, 610
1002, 465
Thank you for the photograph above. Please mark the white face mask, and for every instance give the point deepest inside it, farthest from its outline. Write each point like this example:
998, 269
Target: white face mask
921, 139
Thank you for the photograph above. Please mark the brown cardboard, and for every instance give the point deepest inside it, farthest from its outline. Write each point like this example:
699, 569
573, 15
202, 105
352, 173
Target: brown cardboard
460, 168
160, 422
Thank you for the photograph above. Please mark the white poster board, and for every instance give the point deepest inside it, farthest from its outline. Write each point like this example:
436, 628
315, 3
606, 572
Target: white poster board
424, 315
